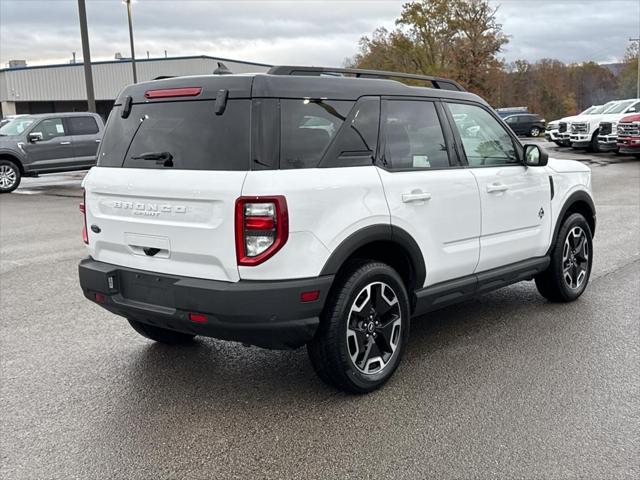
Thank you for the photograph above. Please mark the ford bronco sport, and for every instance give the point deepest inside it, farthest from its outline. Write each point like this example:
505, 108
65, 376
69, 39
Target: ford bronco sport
321, 207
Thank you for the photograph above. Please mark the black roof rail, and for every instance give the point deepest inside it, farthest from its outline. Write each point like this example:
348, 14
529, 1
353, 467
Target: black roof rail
437, 82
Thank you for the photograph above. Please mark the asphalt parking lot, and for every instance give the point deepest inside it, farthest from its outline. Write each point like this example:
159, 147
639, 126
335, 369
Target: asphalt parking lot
504, 386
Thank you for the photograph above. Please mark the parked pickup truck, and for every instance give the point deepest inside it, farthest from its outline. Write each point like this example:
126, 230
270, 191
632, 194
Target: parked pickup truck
607, 131
47, 143
585, 130
629, 135
558, 130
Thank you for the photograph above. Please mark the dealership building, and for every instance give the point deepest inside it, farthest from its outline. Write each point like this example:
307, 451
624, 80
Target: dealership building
61, 88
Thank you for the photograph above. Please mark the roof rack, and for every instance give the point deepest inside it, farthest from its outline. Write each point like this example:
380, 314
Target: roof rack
437, 82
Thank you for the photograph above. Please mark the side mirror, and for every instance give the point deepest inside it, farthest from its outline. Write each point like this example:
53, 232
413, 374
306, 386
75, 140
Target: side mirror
632, 110
534, 156
34, 137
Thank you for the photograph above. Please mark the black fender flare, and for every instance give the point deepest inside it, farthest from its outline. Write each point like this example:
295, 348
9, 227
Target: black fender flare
373, 233
575, 197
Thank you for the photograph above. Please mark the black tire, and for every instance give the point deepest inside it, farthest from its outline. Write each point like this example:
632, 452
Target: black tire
534, 132
9, 176
594, 146
552, 283
368, 286
162, 335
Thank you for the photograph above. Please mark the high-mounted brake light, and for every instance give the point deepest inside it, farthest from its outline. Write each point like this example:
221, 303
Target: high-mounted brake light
173, 92
83, 210
262, 228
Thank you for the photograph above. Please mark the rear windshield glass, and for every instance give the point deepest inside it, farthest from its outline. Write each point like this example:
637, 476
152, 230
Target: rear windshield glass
307, 128
189, 134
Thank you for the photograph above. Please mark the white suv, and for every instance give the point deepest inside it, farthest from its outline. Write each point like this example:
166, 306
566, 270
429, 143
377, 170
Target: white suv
321, 207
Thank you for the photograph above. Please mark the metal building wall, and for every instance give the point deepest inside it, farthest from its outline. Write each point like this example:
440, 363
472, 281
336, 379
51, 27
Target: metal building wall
66, 82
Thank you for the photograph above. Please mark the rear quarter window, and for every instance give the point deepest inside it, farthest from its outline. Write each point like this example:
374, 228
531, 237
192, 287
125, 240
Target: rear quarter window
191, 132
307, 127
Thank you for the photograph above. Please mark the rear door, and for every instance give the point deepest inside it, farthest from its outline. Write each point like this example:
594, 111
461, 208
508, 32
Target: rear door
85, 134
515, 200
429, 194
163, 194
54, 149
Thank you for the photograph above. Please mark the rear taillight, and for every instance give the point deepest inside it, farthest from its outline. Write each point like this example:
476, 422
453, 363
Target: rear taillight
83, 210
262, 228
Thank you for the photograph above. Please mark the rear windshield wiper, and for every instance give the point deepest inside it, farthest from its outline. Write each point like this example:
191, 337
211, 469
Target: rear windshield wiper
159, 157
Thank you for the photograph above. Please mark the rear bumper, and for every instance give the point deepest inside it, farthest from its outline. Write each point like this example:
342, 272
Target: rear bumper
269, 314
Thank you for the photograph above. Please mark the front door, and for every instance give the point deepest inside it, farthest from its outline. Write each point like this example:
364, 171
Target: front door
515, 199
429, 194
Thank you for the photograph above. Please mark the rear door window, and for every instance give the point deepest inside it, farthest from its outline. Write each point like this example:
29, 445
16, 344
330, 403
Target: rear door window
307, 127
190, 132
413, 136
82, 125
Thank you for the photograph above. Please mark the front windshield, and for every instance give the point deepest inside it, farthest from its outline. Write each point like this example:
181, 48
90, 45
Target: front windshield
602, 108
621, 107
16, 126
589, 110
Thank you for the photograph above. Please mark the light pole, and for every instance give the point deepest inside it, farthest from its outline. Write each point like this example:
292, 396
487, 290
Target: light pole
86, 56
133, 53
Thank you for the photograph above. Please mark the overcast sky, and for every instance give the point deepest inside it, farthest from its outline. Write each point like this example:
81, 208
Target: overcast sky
301, 32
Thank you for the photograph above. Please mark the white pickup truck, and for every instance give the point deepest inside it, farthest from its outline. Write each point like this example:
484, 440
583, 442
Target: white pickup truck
557, 130
584, 131
608, 128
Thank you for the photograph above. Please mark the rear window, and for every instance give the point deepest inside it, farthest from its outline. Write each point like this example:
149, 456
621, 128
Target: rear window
82, 125
189, 132
307, 128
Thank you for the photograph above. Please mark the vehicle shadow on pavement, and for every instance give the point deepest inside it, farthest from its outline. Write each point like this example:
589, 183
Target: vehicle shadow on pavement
214, 396
226, 373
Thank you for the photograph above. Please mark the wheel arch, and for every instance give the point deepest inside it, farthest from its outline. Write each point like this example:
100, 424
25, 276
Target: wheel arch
386, 243
12, 158
578, 202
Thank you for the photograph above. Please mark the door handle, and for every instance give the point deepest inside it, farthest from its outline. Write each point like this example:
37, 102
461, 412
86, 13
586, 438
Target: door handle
98, 140
497, 187
415, 197
65, 143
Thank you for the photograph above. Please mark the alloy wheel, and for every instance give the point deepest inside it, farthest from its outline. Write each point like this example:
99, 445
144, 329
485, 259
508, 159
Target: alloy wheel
373, 328
8, 177
575, 258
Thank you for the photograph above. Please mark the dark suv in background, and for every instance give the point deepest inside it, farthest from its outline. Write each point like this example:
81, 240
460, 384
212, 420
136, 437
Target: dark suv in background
47, 143
526, 124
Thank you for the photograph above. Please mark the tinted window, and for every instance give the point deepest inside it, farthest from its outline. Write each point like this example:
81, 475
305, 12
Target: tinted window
191, 132
307, 128
82, 125
50, 128
485, 140
413, 136
358, 137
